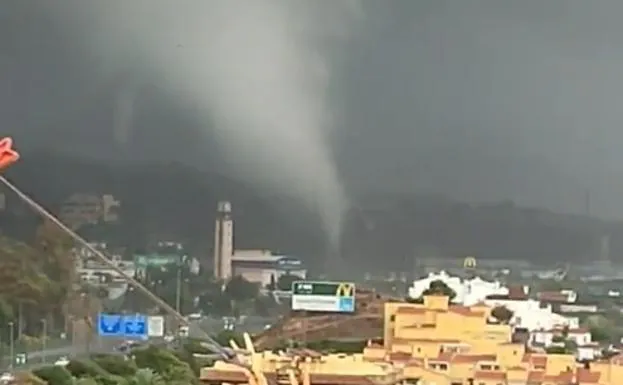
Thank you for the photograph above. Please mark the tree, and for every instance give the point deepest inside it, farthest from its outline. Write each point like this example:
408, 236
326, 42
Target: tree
502, 314
239, 289
600, 334
285, 281
54, 375
147, 377
439, 287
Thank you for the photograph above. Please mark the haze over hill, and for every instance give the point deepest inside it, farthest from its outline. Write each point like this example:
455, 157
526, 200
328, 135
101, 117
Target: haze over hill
476, 100
383, 232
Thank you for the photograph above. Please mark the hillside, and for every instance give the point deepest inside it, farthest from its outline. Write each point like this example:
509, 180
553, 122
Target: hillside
381, 233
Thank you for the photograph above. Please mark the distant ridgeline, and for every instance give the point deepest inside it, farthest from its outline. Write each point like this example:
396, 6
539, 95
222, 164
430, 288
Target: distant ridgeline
175, 202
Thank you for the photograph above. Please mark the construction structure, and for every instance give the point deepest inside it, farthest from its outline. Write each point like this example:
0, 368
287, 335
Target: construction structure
223, 242
365, 323
299, 367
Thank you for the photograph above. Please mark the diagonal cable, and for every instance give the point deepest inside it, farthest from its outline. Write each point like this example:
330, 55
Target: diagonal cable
46, 214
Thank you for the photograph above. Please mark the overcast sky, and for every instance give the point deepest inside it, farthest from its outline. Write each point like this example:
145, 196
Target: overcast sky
480, 100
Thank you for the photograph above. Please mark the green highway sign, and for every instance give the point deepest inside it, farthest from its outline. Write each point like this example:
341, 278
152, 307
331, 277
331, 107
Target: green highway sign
323, 296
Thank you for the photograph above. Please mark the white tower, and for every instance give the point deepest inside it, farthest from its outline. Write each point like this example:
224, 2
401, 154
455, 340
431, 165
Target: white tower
223, 241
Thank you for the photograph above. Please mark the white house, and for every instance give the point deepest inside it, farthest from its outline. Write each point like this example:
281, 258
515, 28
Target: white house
531, 314
468, 291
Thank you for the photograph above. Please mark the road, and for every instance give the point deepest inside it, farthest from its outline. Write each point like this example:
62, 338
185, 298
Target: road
250, 325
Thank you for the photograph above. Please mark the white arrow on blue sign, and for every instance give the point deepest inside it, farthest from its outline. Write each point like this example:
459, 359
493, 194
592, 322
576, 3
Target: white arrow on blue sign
125, 326
135, 326
109, 325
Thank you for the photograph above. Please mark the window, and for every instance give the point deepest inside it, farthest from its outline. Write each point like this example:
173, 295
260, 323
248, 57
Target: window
485, 367
443, 366
392, 318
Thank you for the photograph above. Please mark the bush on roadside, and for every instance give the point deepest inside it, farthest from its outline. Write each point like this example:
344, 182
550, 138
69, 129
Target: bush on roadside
54, 375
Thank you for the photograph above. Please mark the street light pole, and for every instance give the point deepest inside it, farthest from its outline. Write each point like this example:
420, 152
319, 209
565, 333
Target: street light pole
44, 343
178, 289
12, 343
178, 284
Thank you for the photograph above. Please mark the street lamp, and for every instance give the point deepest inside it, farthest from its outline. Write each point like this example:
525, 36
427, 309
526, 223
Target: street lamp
178, 282
12, 343
44, 343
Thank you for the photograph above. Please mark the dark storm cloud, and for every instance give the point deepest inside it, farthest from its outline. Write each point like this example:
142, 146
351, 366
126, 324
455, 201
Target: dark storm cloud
481, 100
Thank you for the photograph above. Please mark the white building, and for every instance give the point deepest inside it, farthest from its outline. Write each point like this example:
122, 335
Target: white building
468, 291
95, 273
261, 266
532, 314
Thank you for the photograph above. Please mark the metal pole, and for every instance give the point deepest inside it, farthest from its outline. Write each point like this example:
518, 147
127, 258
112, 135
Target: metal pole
12, 344
20, 319
44, 344
178, 289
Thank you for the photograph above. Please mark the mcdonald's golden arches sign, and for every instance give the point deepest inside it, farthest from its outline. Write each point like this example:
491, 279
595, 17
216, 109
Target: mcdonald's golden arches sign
345, 289
469, 263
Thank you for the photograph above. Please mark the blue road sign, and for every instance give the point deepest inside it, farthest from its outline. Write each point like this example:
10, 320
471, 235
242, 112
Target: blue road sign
122, 326
135, 326
109, 325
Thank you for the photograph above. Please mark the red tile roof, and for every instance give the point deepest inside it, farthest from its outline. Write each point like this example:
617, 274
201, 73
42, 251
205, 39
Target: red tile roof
410, 310
535, 376
552, 296
517, 293
581, 376
229, 376
332, 379
472, 358
399, 356
535, 359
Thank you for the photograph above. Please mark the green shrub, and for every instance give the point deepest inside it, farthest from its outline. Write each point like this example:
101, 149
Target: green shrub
109, 379
86, 381
188, 357
54, 375
166, 364
85, 368
147, 377
28, 378
115, 364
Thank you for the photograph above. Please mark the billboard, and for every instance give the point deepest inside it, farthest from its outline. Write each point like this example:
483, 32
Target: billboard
155, 260
337, 297
289, 264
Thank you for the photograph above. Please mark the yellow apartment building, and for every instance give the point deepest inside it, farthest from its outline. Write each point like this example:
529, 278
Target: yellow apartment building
444, 344
434, 343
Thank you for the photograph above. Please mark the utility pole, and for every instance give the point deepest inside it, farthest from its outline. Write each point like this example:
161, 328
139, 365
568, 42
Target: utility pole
44, 342
12, 343
178, 289
20, 319
178, 284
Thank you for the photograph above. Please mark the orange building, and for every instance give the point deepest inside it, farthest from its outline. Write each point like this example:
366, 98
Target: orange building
444, 344
434, 343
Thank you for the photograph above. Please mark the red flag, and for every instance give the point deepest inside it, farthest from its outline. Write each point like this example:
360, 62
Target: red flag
8, 155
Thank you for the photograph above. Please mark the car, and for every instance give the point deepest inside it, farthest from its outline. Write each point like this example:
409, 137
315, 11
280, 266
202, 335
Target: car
194, 317
63, 361
7, 378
